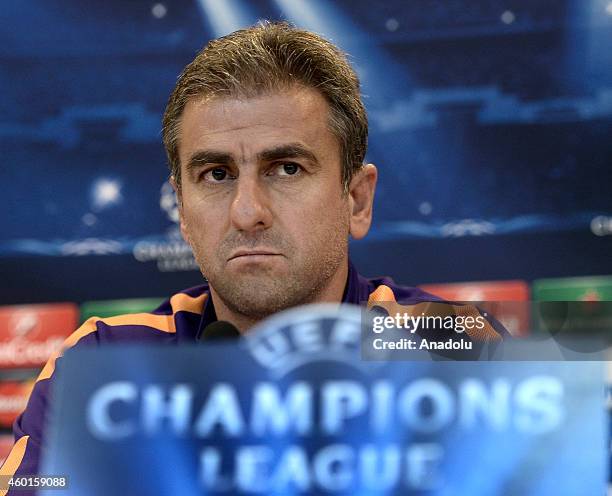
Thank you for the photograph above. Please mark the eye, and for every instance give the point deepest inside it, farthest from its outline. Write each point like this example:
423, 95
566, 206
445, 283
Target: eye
216, 175
288, 169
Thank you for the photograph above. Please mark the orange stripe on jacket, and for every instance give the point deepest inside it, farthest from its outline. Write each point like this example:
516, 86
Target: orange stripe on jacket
180, 302
12, 462
381, 294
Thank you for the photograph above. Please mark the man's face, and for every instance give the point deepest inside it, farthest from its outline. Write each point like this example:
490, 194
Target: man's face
262, 199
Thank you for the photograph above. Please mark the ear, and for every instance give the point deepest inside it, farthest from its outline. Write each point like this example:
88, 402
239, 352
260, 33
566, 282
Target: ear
179, 203
361, 199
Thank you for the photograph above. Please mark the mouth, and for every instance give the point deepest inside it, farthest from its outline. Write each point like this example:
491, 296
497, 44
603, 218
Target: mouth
253, 254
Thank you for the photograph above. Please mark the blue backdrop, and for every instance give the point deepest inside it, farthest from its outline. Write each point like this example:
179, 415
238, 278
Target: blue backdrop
490, 124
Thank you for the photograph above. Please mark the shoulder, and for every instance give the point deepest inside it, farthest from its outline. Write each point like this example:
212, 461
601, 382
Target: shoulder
178, 316
164, 320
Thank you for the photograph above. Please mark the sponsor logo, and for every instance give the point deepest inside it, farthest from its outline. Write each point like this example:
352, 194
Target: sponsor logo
24, 323
22, 352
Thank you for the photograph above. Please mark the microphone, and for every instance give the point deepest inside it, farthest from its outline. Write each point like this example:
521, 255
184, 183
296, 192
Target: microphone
219, 331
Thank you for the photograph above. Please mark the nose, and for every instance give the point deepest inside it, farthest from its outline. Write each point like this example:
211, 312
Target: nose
250, 208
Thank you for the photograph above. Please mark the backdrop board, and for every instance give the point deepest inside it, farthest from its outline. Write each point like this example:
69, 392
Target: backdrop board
489, 122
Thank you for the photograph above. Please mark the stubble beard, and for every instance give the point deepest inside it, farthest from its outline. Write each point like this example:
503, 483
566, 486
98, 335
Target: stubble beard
258, 292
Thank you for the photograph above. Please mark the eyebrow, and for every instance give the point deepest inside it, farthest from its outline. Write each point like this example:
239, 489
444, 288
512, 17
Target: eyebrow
290, 150
204, 157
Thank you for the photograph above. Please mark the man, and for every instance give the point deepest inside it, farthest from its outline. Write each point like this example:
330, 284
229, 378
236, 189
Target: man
266, 135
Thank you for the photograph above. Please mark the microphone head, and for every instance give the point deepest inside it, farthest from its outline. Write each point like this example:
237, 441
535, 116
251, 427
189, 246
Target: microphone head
219, 331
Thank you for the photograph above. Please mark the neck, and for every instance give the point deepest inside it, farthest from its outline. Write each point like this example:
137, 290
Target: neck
332, 293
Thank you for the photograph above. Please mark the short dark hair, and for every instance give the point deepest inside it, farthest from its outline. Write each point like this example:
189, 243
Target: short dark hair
267, 57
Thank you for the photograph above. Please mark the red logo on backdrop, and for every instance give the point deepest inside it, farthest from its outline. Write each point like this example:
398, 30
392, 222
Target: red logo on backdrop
505, 300
13, 400
29, 334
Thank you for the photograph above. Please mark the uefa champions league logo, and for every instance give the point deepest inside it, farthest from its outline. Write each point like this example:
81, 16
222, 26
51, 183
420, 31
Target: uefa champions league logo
168, 202
169, 251
307, 335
